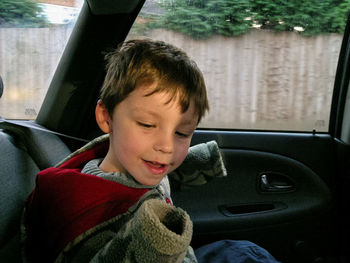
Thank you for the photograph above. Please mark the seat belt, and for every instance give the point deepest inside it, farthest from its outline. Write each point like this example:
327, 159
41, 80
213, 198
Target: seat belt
8, 124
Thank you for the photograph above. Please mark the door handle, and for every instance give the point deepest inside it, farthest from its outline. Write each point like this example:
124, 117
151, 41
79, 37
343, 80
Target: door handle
275, 182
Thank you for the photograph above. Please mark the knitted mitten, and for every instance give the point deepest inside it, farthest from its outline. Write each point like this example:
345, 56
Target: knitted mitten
160, 233
203, 163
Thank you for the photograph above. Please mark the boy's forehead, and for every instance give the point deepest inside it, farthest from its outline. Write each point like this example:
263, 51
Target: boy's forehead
166, 95
147, 87
149, 93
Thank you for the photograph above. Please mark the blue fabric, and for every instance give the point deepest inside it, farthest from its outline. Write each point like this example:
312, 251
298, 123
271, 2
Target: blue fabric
226, 251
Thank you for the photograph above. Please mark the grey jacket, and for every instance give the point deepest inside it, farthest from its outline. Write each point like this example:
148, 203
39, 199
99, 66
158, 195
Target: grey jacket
151, 229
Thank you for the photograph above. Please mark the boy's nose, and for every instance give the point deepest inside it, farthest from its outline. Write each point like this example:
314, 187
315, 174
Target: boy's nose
164, 143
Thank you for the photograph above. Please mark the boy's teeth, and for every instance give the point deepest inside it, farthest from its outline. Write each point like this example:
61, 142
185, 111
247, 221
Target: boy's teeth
157, 164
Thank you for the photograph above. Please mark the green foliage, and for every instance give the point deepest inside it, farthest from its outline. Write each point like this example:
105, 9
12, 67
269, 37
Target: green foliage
338, 16
312, 15
20, 13
204, 18
268, 14
229, 18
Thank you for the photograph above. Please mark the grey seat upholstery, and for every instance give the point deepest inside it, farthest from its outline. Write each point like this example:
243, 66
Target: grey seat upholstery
23, 153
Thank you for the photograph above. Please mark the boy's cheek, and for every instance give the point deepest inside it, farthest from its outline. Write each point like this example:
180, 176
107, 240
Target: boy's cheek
181, 155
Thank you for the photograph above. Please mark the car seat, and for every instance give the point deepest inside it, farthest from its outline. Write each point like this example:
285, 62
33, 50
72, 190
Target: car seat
24, 152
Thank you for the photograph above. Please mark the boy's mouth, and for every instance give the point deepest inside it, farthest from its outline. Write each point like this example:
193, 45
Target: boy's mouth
155, 167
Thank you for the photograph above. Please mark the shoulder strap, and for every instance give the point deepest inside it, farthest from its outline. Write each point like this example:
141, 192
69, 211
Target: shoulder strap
44, 146
13, 125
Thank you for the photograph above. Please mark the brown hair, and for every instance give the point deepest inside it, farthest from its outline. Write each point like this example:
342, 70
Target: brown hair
145, 61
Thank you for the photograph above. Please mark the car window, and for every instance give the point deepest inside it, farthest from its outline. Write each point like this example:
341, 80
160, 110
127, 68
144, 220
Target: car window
268, 64
33, 35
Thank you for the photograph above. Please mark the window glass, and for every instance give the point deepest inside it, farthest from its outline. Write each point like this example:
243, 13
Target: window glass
33, 35
267, 64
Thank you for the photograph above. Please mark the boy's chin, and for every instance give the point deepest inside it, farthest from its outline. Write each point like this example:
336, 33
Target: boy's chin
151, 182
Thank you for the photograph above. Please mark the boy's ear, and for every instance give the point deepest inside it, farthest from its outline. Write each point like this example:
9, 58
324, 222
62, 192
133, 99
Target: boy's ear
103, 118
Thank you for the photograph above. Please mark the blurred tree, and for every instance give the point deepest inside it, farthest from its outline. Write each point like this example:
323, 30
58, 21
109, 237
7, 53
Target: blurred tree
268, 14
338, 16
21, 13
313, 16
229, 18
204, 18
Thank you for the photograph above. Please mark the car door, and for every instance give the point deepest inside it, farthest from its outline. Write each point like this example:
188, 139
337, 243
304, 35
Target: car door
286, 191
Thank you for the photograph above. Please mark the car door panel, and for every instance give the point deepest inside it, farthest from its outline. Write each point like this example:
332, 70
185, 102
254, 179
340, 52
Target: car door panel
294, 202
299, 146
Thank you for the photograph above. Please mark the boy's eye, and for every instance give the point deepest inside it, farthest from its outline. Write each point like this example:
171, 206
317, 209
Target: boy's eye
145, 125
184, 135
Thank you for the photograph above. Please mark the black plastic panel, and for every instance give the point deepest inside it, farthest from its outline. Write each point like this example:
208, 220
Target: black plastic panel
238, 207
241, 187
316, 151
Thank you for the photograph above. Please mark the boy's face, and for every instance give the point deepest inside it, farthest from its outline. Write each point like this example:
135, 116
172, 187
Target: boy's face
149, 135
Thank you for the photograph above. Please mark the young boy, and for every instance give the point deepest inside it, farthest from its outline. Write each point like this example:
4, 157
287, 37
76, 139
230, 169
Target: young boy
151, 101
110, 201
